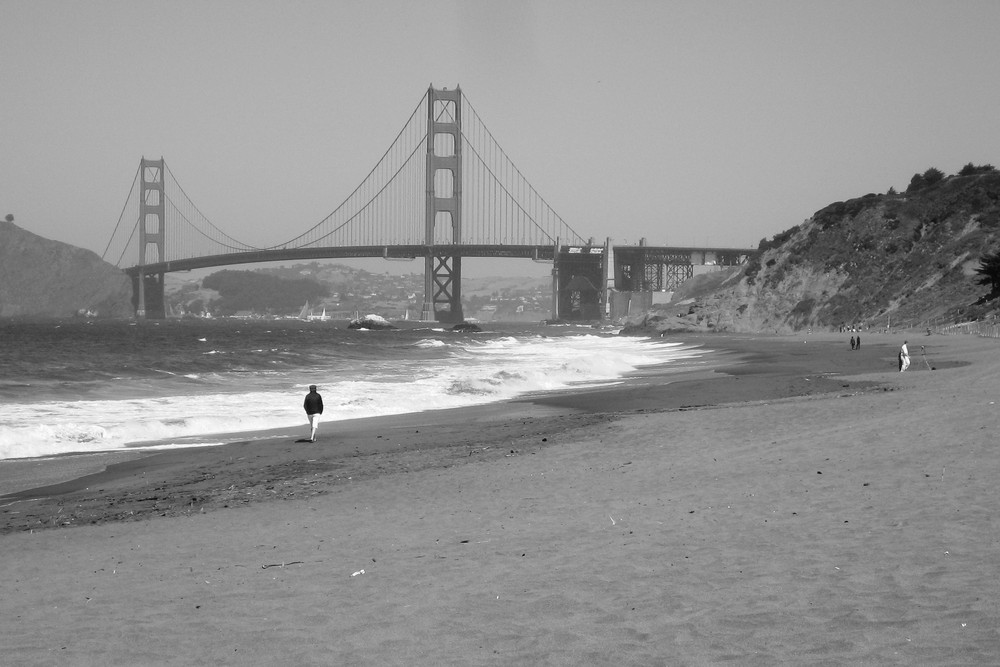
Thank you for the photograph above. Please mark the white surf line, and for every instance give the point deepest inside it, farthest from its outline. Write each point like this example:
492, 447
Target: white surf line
24, 500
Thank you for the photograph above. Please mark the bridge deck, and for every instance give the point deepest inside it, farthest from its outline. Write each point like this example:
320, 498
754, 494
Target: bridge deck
536, 252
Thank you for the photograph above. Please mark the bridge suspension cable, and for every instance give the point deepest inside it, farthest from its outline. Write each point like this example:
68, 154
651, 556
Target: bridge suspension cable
187, 231
508, 207
127, 213
499, 205
389, 207
387, 203
185, 210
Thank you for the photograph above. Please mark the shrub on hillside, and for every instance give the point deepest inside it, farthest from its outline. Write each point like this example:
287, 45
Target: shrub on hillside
925, 180
803, 309
971, 169
990, 220
835, 213
989, 272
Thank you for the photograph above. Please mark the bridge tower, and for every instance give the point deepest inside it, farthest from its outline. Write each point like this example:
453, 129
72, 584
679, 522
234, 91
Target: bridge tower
443, 271
149, 288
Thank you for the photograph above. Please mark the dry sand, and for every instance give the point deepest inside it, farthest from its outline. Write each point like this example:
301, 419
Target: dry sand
807, 506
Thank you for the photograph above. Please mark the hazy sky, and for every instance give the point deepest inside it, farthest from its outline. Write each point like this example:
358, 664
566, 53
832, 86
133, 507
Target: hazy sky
687, 123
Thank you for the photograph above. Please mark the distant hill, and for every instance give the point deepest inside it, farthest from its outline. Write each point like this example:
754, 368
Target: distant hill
345, 289
901, 259
44, 278
262, 293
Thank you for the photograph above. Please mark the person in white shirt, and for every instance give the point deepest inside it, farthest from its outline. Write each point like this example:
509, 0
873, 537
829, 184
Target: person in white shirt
904, 358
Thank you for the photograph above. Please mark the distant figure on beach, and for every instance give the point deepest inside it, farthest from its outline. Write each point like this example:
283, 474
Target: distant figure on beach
904, 358
857, 343
852, 342
314, 408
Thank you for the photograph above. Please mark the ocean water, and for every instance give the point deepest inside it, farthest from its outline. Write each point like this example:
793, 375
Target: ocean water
79, 386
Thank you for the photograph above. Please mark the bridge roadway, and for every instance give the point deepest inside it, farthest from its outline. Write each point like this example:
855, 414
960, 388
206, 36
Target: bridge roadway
672, 254
581, 273
536, 252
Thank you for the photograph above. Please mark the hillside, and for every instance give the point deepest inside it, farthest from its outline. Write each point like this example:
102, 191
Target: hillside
878, 260
344, 290
44, 278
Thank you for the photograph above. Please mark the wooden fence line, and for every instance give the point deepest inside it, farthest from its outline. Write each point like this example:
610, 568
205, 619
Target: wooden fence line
985, 328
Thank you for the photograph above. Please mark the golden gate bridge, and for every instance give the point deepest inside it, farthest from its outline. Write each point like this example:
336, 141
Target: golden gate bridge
444, 190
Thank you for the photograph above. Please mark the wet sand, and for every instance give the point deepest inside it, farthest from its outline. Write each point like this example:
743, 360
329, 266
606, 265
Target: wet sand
800, 504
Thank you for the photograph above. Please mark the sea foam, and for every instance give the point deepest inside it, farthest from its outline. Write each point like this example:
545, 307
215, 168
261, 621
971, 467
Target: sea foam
466, 371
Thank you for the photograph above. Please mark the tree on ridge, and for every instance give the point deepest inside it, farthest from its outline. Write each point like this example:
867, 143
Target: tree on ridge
989, 269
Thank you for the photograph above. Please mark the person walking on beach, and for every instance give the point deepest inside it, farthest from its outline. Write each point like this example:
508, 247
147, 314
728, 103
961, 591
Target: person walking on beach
904, 358
852, 342
314, 408
858, 343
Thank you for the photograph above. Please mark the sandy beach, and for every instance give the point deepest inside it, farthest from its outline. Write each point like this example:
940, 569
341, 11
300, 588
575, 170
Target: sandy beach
794, 502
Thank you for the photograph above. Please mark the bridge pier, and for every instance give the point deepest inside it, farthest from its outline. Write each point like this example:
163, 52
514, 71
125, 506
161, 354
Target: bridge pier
579, 283
148, 298
442, 286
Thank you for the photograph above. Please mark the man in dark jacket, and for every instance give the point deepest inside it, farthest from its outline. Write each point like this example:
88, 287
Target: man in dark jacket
314, 408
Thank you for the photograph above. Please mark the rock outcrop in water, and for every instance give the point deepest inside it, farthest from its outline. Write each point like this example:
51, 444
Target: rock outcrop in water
44, 278
375, 322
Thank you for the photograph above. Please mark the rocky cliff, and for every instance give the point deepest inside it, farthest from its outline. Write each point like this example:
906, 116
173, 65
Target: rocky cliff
901, 259
44, 278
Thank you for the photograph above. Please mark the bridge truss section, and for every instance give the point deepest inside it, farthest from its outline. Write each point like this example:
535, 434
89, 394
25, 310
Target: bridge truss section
663, 269
647, 269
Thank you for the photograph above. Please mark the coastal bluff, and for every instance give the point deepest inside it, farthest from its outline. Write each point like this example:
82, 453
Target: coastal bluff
907, 259
40, 277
